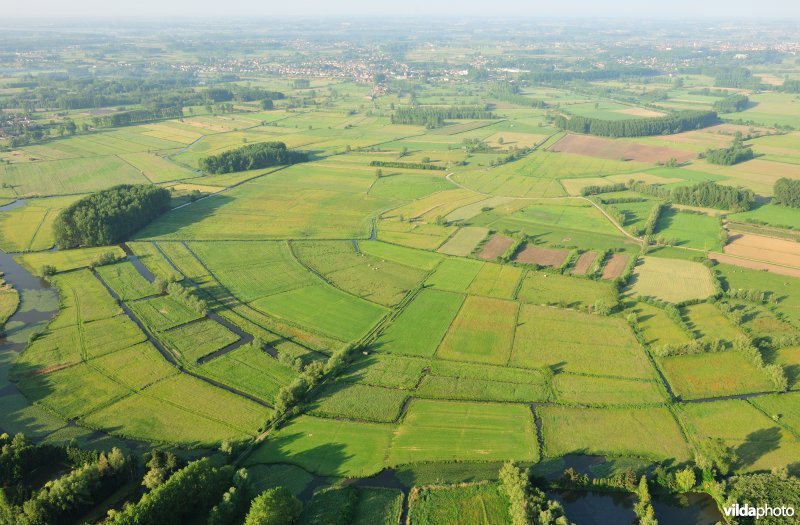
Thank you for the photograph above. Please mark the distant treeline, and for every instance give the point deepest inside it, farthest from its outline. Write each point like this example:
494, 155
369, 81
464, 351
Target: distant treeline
137, 116
791, 86
407, 165
731, 104
240, 94
787, 192
509, 92
562, 77
434, 117
733, 77
682, 121
110, 216
252, 157
705, 195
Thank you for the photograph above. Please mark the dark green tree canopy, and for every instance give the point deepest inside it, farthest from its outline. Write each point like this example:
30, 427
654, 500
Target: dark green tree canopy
643, 127
110, 216
252, 157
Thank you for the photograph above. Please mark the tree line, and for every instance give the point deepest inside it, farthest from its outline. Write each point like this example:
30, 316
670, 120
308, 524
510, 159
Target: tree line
677, 123
508, 92
135, 116
110, 216
251, 157
705, 195
787, 192
407, 165
434, 117
734, 154
732, 104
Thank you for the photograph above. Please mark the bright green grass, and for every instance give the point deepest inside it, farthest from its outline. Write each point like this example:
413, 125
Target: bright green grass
577, 342
533, 388
301, 201
671, 280
250, 370
20, 416
137, 366
324, 309
69, 176
209, 401
156, 168
571, 215
496, 280
483, 331
408, 185
420, 327
448, 430
253, 270
159, 421
154, 260
454, 275
783, 408
714, 375
785, 289
399, 254
327, 447
656, 327
386, 370
483, 504
125, 280
708, 322
643, 432
197, 339
377, 280
74, 391
772, 214
573, 292
589, 390
691, 230
162, 313
759, 442
30, 226
66, 260
354, 401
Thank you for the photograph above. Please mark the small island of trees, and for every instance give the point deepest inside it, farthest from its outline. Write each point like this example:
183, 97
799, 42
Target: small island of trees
735, 154
251, 157
110, 216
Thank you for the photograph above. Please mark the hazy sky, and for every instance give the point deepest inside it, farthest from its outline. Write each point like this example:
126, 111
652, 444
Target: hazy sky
778, 9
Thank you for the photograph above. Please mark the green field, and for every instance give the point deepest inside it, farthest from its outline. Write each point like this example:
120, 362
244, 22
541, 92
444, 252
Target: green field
426, 293
442, 430
687, 280
575, 342
609, 431
423, 323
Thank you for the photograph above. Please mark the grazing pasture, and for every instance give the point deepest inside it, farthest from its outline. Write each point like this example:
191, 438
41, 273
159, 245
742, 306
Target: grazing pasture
464, 241
671, 280
714, 375
482, 332
555, 289
759, 442
576, 342
449, 430
459, 505
640, 432
420, 327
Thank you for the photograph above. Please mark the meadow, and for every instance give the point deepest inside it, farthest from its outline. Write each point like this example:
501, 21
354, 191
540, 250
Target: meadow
486, 305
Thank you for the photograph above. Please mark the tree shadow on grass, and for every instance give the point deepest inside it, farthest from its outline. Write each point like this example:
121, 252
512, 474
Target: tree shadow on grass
324, 460
178, 219
758, 444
